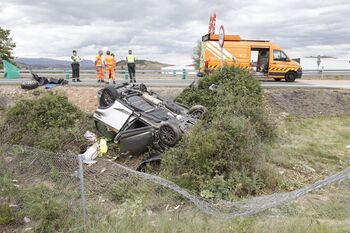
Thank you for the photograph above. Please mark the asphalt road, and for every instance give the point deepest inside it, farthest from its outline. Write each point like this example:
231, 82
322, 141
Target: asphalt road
335, 84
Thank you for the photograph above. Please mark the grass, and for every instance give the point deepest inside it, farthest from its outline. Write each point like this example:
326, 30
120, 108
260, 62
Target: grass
319, 143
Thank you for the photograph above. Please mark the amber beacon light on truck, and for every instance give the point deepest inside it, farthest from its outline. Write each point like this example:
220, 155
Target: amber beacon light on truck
261, 57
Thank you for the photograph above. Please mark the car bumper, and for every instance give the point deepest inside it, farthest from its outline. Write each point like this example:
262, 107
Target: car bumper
299, 73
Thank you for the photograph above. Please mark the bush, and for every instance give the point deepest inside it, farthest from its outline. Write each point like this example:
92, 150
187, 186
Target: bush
223, 156
48, 122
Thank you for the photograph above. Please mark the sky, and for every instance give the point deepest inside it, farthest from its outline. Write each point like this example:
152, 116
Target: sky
167, 31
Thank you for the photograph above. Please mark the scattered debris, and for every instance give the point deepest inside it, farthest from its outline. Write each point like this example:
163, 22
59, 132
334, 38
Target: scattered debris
41, 81
103, 170
309, 169
90, 154
103, 147
26, 219
90, 136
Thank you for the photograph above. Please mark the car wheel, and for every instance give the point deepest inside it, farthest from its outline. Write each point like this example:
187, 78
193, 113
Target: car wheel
103, 130
29, 85
277, 79
290, 76
108, 96
198, 112
143, 87
169, 134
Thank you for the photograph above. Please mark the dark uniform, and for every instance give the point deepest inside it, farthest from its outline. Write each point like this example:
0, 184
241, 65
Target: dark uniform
75, 67
130, 60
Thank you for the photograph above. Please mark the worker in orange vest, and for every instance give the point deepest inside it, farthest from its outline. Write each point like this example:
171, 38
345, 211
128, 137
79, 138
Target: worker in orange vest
99, 67
114, 67
110, 63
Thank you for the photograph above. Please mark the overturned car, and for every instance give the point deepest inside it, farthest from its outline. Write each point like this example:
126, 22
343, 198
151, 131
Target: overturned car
138, 119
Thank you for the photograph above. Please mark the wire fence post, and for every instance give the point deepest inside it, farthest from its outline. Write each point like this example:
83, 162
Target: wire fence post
83, 200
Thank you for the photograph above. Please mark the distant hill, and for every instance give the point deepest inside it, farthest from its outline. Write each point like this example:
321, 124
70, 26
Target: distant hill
47, 63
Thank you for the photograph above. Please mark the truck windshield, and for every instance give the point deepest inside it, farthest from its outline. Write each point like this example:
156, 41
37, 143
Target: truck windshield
279, 55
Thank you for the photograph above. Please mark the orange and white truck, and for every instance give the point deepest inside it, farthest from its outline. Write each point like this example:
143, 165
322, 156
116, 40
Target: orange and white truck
261, 57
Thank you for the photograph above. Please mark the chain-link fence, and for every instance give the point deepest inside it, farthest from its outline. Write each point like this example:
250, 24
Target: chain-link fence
49, 192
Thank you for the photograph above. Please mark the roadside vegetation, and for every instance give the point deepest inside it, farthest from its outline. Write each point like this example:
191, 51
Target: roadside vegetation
47, 121
235, 153
224, 156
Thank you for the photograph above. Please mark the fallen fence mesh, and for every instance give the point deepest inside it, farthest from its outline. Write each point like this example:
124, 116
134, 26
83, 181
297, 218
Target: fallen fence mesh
47, 163
60, 174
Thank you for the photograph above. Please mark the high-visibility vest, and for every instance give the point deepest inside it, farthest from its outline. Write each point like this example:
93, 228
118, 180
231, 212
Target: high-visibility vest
98, 61
109, 60
75, 59
130, 59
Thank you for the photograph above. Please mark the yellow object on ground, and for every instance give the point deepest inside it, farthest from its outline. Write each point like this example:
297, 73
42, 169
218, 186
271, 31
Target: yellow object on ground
103, 146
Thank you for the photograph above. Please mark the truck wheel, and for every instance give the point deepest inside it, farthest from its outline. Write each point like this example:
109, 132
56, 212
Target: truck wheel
290, 76
169, 134
103, 130
198, 112
108, 96
277, 79
29, 85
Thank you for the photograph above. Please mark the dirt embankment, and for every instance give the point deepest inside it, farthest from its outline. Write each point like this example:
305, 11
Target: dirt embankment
298, 103
84, 97
304, 103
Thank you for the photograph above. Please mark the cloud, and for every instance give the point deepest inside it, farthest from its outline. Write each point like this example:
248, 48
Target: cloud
168, 30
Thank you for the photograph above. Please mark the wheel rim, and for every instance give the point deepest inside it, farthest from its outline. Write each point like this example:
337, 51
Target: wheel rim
290, 76
108, 97
197, 114
168, 135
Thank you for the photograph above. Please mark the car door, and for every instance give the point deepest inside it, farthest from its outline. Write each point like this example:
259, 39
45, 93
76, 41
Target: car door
115, 116
136, 141
278, 64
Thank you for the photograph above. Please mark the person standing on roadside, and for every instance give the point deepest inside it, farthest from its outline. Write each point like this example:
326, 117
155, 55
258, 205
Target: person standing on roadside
114, 67
130, 61
99, 67
109, 64
75, 66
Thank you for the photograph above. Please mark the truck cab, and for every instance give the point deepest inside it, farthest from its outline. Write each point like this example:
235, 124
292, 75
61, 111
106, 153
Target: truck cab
262, 58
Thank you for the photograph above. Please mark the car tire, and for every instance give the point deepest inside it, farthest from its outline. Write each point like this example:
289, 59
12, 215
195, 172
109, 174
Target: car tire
169, 134
108, 96
291, 76
103, 130
29, 85
143, 87
277, 79
198, 112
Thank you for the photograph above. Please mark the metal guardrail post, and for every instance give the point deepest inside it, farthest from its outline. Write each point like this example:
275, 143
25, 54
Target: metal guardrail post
322, 72
174, 73
126, 74
183, 73
68, 73
82, 191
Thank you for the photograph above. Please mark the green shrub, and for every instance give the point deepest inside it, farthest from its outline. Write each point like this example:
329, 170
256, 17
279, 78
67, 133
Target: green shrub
223, 156
47, 122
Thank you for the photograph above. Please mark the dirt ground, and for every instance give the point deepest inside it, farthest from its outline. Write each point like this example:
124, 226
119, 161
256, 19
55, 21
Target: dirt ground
304, 103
